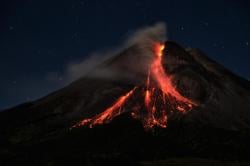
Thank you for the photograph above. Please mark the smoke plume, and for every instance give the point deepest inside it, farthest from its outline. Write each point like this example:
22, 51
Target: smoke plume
143, 38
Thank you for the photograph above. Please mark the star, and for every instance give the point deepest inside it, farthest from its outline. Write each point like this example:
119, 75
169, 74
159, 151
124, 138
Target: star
11, 27
82, 3
74, 35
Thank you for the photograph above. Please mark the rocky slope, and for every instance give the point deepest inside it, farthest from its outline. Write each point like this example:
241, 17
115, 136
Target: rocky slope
38, 133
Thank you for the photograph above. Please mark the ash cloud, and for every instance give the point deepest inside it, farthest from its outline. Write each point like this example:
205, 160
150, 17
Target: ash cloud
91, 66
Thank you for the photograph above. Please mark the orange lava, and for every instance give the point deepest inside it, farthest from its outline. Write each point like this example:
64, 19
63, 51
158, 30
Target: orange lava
164, 81
158, 116
157, 105
107, 115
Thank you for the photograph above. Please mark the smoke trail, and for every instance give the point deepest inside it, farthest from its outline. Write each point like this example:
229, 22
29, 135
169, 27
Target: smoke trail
143, 38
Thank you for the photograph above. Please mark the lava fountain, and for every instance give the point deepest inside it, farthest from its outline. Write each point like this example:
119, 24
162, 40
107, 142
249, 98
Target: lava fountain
161, 98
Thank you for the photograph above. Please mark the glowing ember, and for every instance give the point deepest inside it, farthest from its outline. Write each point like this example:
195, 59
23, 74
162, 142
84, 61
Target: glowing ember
160, 98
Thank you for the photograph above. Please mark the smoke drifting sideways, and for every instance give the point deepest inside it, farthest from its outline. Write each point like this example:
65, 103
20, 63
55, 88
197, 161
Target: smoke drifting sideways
97, 65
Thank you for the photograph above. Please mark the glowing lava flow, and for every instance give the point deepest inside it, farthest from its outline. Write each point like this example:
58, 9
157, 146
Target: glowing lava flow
109, 113
162, 79
160, 99
155, 103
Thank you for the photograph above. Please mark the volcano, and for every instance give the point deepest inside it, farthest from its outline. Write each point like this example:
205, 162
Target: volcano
155, 102
172, 106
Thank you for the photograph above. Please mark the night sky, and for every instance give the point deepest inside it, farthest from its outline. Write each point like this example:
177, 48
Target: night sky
39, 38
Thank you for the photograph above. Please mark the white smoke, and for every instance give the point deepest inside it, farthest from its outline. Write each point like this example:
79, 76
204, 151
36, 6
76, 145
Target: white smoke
143, 38
148, 35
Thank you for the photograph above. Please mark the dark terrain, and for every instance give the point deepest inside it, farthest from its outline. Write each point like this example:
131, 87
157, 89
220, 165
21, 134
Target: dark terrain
216, 132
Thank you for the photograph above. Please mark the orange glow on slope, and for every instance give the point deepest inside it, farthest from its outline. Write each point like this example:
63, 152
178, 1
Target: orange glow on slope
162, 79
159, 49
147, 93
158, 116
160, 98
109, 113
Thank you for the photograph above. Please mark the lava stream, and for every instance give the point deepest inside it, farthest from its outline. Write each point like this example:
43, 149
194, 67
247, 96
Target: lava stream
164, 81
160, 99
107, 115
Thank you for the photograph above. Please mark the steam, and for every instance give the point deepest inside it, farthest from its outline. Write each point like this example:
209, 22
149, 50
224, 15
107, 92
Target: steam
144, 38
147, 36
76, 70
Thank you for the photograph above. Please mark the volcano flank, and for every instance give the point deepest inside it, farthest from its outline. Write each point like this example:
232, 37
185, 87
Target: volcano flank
160, 98
170, 104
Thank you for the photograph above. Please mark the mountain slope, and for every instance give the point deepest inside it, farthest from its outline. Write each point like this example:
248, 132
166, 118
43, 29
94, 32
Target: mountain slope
218, 127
